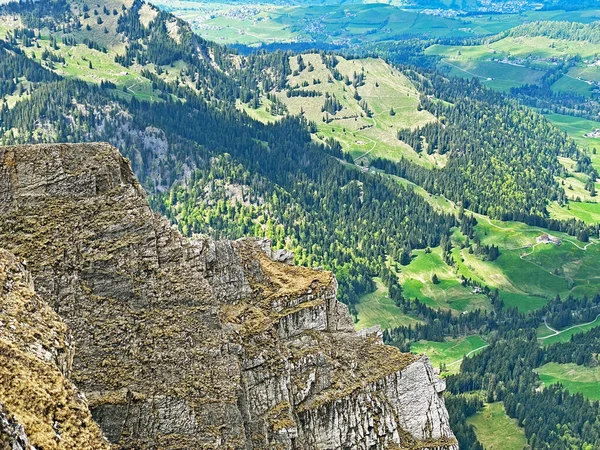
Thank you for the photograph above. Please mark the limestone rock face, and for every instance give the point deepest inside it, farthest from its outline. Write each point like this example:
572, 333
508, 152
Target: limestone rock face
39, 406
12, 433
185, 344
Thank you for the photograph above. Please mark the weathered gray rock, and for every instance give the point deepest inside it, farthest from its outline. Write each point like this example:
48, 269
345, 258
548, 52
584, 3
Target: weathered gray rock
12, 433
39, 406
197, 343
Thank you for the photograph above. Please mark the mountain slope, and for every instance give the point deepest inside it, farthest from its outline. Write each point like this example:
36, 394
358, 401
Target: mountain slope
361, 103
211, 169
293, 193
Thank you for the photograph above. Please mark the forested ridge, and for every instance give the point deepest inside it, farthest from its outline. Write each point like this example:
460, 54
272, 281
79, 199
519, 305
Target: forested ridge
572, 31
225, 174
490, 149
491, 145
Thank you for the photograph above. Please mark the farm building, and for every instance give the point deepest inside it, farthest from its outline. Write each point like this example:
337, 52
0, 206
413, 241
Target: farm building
548, 239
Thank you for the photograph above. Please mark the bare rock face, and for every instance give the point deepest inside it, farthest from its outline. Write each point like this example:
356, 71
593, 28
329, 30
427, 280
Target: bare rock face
39, 406
12, 433
185, 344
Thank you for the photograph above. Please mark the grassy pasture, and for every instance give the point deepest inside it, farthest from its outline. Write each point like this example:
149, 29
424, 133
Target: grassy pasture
527, 274
494, 74
515, 61
591, 73
416, 279
385, 89
104, 68
574, 186
543, 47
587, 212
378, 308
79, 57
577, 379
576, 128
448, 352
570, 84
495, 430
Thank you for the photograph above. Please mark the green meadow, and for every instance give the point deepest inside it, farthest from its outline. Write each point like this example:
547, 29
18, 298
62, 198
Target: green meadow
577, 379
527, 274
547, 337
377, 308
385, 89
450, 352
448, 293
587, 212
514, 61
495, 74
495, 430
577, 128
569, 84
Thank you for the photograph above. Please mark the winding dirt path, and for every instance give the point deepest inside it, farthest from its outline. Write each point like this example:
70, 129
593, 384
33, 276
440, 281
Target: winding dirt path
468, 354
556, 333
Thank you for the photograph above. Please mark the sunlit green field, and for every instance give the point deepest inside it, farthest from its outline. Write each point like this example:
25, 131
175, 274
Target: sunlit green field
572, 85
90, 65
497, 75
515, 61
527, 273
576, 128
586, 73
448, 293
449, 352
587, 212
577, 379
385, 89
104, 68
495, 430
378, 309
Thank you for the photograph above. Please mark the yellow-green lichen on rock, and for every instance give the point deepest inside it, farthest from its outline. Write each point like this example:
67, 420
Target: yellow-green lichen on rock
35, 359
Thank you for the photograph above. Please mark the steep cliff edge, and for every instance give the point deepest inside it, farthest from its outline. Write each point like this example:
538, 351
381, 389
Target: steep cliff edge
200, 343
39, 406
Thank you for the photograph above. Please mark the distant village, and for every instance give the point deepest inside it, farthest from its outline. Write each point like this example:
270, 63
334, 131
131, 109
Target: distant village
487, 7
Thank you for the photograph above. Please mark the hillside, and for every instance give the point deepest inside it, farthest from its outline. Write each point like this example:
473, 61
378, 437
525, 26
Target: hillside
283, 193
359, 103
172, 113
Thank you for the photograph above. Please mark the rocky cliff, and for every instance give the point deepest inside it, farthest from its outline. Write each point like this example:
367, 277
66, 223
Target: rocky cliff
39, 407
198, 343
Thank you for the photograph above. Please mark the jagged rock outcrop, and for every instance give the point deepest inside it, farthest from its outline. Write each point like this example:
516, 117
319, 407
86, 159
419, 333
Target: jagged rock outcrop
12, 433
39, 407
199, 343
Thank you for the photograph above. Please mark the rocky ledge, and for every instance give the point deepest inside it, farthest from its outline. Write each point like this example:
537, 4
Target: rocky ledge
194, 343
